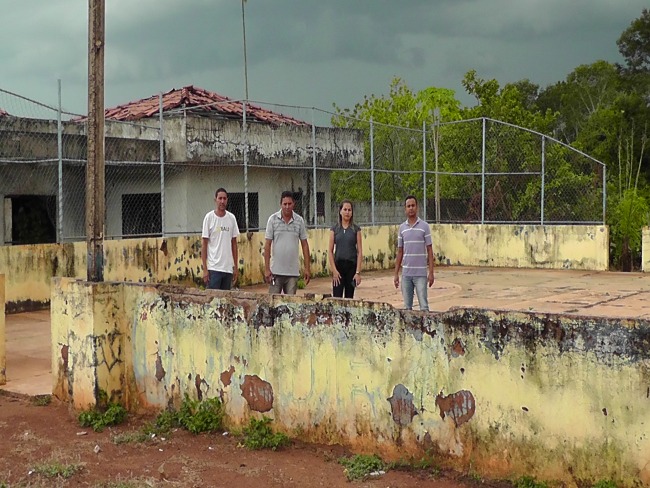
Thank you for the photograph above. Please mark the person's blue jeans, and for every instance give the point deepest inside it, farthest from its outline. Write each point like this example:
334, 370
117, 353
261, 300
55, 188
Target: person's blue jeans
419, 283
218, 280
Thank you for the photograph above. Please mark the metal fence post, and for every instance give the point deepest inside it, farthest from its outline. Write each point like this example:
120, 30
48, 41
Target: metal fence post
245, 140
372, 173
424, 168
314, 197
604, 194
161, 136
436, 129
483, 174
59, 154
543, 179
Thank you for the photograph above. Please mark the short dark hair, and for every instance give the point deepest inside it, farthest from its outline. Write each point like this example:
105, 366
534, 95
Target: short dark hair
410, 197
219, 190
287, 194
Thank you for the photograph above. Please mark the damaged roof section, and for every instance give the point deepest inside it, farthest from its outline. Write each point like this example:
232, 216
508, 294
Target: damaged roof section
200, 102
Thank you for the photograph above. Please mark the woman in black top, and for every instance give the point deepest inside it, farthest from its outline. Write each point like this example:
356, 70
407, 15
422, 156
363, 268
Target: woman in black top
345, 252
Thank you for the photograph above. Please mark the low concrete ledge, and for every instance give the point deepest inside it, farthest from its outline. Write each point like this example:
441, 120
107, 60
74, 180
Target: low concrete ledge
559, 398
30, 269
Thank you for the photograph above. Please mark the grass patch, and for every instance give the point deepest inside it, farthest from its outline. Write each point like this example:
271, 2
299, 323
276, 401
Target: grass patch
57, 469
360, 466
605, 484
97, 419
258, 434
529, 482
133, 483
133, 437
42, 400
425, 463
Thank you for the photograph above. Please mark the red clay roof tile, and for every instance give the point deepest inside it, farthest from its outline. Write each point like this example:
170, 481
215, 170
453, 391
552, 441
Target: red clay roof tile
199, 99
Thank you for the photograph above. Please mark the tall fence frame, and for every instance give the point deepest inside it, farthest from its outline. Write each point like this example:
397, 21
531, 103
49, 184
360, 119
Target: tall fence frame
470, 171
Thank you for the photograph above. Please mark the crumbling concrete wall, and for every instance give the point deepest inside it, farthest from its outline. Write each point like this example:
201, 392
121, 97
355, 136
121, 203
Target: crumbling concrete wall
29, 269
507, 394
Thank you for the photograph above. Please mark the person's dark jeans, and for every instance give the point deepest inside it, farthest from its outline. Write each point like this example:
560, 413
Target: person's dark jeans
347, 269
218, 280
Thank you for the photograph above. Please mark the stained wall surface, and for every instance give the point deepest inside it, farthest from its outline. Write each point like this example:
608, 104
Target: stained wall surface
507, 394
30, 269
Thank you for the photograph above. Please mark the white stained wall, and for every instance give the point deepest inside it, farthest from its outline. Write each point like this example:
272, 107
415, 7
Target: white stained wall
190, 193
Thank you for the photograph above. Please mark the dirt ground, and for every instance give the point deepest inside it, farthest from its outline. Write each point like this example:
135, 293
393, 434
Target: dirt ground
35, 439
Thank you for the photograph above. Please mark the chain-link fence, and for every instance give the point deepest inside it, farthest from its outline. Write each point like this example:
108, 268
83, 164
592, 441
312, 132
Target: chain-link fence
162, 172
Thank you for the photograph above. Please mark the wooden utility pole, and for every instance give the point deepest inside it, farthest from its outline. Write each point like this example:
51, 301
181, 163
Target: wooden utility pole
95, 200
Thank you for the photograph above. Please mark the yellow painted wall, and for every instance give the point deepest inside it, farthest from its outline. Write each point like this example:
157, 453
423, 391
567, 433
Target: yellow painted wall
3, 334
523, 246
645, 250
29, 269
505, 394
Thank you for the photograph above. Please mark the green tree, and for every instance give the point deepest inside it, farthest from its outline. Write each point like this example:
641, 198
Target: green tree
634, 44
397, 122
586, 90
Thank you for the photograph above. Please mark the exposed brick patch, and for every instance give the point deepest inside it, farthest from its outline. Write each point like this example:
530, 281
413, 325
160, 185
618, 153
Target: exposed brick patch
460, 406
226, 376
258, 393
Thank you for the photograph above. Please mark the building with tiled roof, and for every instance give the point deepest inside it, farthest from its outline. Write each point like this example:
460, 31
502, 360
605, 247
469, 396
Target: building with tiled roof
161, 173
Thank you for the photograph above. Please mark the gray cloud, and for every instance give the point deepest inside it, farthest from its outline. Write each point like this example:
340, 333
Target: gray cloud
303, 53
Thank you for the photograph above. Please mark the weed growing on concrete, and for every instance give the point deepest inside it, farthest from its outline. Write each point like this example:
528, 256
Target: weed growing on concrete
113, 415
57, 469
259, 435
529, 482
199, 416
361, 466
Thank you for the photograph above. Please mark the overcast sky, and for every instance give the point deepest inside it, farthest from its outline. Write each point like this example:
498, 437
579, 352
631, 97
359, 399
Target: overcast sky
309, 53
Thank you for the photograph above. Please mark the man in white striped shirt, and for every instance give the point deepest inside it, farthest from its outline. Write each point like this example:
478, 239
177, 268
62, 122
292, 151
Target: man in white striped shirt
414, 256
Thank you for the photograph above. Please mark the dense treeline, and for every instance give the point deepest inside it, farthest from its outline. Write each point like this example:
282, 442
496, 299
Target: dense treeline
602, 109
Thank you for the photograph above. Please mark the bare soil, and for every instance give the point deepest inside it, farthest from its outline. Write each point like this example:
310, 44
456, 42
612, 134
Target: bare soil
34, 438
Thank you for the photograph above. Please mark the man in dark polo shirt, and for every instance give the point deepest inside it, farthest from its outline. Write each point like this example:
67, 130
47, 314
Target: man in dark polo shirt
284, 230
414, 256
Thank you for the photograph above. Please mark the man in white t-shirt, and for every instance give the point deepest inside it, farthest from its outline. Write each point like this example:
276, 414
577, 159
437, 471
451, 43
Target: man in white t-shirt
219, 245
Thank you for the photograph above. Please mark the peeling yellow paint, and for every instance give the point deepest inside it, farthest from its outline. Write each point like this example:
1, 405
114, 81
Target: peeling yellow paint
505, 393
523, 246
